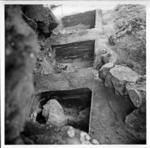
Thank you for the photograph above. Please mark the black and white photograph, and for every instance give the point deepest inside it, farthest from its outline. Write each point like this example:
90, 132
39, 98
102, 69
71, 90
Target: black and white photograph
74, 73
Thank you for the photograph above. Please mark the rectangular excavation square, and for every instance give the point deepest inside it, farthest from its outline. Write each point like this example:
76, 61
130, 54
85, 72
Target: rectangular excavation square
85, 18
76, 104
75, 55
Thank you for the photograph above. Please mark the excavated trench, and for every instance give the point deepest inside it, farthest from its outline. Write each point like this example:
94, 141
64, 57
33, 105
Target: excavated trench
90, 106
75, 55
76, 104
86, 18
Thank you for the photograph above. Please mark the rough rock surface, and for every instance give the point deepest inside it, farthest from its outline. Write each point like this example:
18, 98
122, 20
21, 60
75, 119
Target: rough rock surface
42, 20
54, 113
105, 56
123, 73
105, 69
125, 82
137, 93
136, 121
120, 75
21, 47
42, 17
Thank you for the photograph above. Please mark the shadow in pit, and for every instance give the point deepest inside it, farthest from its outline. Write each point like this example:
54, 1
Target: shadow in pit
75, 55
76, 104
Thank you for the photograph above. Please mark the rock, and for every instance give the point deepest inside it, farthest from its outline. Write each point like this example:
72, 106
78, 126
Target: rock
110, 56
54, 113
84, 138
122, 75
137, 93
105, 69
98, 62
71, 132
119, 86
94, 141
106, 58
108, 82
136, 122
41, 16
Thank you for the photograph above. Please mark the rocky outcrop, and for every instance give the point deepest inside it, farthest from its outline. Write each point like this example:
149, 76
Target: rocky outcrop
21, 48
40, 18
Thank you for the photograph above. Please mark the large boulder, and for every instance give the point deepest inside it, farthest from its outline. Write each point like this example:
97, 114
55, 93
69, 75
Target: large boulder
54, 113
40, 18
137, 93
120, 75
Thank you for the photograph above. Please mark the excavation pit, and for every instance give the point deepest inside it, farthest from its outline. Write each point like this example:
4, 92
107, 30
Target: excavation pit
76, 104
86, 18
75, 55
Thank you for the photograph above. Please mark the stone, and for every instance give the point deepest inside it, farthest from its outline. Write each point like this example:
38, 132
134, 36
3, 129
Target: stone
136, 123
122, 75
41, 16
94, 141
105, 69
54, 113
106, 58
119, 86
108, 82
71, 132
84, 138
137, 93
